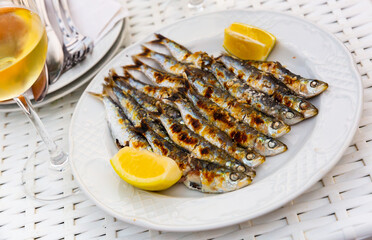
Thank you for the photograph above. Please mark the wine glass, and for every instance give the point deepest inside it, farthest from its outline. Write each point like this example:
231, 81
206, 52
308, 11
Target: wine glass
23, 49
196, 5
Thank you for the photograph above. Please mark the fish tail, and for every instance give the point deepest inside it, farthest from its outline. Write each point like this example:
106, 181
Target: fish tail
146, 52
100, 96
160, 39
136, 66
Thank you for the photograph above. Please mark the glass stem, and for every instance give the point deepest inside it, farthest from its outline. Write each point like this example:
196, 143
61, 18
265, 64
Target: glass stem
58, 158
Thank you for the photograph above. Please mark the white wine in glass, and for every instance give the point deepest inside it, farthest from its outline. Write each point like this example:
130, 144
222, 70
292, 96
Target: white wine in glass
23, 49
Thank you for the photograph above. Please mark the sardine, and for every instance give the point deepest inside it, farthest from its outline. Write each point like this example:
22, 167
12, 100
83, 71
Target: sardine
147, 102
199, 147
171, 65
268, 84
239, 132
133, 110
164, 147
153, 91
200, 125
242, 112
304, 87
254, 98
197, 174
121, 129
182, 54
206, 86
212, 178
157, 76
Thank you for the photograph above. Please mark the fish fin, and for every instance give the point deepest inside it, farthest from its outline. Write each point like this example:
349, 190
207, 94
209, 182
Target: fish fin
136, 66
146, 52
97, 95
113, 73
159, 40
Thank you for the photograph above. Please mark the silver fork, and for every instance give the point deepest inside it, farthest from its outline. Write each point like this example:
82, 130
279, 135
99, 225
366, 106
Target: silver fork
88, 42
74, 49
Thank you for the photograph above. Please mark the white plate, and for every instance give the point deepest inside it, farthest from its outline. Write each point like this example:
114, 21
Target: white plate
315, 145
100, 50
12, 107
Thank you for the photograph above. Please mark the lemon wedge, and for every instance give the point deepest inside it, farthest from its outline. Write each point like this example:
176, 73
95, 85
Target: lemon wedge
248, 42
145, 170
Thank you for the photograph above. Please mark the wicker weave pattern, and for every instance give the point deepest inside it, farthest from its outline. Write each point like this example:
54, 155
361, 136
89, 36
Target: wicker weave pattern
337, 207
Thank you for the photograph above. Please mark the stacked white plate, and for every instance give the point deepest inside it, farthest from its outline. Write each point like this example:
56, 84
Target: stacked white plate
104, 50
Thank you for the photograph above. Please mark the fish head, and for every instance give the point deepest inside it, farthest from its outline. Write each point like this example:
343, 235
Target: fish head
269, 146
254, 159
278, 128
291, 117
312, 87
308, 109
216, 180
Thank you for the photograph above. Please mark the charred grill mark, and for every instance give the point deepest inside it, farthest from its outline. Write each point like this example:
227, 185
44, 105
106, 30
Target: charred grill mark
159, 77
208, 92
257, 120
159, 145
183, 136
222, 117
195, 123
139, 145
204, 151
175, 128
239, 136
209, 176
186, 56
220, 74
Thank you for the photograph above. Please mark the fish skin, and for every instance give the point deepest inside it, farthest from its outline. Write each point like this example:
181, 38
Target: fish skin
268, 84
254, 98
157, 76
178, 51
121, 128
171, 65
241, 133
132, 110
153, 91
164, 147
206, 86
199, 147
242, 112
168, 63
200, 125
304, 87
212, 178
197, 174
147, 102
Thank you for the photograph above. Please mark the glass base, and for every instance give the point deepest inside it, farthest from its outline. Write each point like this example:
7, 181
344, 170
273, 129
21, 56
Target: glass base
44, 182
196, 5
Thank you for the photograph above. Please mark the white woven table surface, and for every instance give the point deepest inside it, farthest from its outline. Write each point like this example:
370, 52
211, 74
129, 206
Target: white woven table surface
337, 207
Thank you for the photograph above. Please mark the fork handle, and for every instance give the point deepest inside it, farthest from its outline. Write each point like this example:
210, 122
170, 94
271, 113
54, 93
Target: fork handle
67, 37
70, 23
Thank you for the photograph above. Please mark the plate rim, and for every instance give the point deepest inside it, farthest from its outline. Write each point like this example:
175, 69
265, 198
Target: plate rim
311, 180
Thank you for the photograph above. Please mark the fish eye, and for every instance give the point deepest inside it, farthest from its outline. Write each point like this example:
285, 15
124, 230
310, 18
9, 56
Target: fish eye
240, 169
250, 156
314, 83
289, 115
303, 105
276, 125
272, 144
234, 176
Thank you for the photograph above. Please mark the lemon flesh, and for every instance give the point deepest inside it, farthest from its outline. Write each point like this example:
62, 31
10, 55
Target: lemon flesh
145, 170
248, 42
